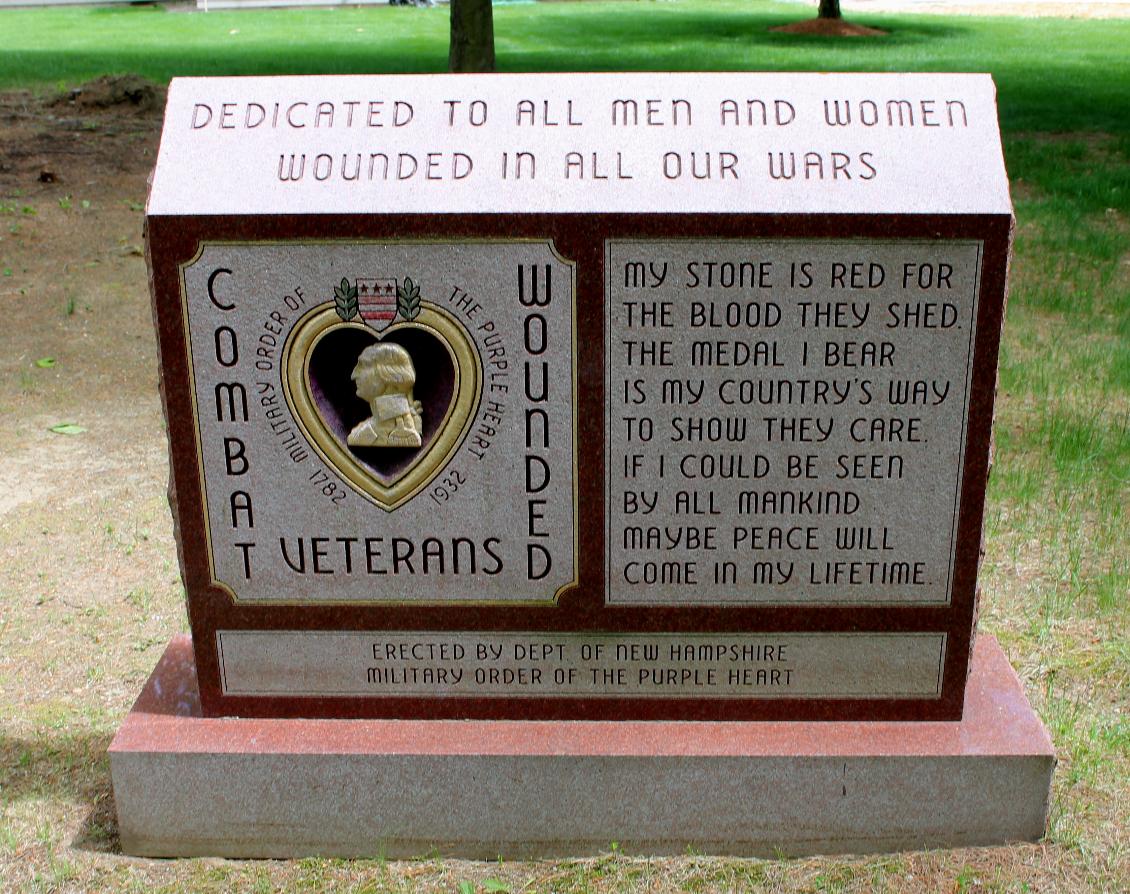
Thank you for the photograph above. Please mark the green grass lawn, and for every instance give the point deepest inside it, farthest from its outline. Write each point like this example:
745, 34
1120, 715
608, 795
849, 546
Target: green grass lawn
1056, 576
1054, 75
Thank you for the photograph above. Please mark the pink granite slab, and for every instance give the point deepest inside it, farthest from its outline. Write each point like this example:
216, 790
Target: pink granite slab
189, 785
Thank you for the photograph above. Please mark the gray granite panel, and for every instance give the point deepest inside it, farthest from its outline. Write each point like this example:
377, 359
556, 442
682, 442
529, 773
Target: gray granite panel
786, 419
525, 665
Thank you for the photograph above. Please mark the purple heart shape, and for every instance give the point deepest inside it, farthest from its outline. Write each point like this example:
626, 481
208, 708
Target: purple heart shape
333, 392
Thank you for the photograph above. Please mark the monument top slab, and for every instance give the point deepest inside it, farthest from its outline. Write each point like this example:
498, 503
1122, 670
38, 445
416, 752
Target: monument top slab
745, 143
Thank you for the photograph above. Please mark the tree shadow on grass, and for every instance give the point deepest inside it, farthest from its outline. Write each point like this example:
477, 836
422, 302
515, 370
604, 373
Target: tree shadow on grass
579, 37
709, 40
64, 767
608, 28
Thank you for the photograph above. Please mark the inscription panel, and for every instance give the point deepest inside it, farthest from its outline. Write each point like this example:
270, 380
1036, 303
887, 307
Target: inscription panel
635, 142
791, 665
385, 421
786, 420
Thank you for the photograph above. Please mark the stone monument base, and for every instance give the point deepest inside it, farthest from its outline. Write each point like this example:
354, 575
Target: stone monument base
186, 785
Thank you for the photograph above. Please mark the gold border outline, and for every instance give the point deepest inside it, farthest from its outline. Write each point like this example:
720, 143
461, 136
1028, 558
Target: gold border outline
213, 581
304, 337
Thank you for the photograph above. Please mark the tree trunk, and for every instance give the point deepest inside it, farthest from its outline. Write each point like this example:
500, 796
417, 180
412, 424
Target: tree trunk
472, 36
829, 9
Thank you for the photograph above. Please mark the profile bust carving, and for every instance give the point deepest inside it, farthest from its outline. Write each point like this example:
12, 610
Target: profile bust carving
384, 376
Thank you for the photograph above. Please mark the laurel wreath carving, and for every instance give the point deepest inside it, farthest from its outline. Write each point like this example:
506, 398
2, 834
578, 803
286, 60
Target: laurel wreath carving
408, 299
345, 300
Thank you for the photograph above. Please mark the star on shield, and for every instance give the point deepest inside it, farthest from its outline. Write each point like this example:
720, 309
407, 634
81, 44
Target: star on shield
376, 301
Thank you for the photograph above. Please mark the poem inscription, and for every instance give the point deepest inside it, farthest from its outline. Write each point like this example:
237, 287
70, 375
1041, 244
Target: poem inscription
786, 419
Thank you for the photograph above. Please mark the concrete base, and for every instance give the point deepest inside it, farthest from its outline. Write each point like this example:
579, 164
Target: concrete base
192, 786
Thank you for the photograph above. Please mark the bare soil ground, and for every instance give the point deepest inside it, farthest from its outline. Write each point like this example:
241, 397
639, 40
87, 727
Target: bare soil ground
72, 507
90, 590
830, 28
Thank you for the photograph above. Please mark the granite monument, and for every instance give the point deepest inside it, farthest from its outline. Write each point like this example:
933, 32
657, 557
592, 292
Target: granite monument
633, 397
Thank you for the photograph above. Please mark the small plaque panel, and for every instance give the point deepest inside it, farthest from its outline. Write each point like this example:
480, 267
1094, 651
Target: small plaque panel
656, 665
580, 396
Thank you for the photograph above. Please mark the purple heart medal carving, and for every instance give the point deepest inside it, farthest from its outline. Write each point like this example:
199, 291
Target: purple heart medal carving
358, 373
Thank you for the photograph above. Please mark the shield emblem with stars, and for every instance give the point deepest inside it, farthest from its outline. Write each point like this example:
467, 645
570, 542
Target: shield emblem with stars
376, 301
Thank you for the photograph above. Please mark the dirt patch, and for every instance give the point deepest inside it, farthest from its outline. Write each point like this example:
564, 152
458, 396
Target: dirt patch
830, 28
124, 92
89, 586
83, 138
